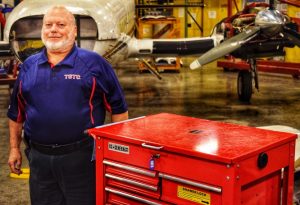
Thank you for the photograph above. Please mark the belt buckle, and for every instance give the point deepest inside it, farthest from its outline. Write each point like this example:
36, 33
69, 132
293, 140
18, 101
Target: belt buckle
54, 146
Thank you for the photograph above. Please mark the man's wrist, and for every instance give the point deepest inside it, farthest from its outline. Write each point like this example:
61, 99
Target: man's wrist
18, 148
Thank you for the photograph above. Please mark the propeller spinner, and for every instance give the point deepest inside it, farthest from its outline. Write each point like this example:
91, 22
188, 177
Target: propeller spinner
270, 22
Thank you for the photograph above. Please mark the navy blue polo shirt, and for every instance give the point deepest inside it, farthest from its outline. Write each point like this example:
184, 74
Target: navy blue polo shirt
58, 103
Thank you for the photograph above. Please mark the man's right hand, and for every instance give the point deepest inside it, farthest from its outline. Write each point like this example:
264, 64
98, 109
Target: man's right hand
15, 160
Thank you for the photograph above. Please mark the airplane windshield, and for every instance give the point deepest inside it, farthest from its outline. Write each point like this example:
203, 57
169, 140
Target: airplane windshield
25, 35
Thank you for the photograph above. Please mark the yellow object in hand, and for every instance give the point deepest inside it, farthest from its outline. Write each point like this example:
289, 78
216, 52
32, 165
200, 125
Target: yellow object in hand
24, 175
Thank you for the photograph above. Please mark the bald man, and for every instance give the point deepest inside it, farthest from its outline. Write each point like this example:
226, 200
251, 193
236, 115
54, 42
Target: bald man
59, 93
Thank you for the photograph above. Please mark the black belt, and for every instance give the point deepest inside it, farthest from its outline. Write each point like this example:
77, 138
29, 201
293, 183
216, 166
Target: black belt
56, 149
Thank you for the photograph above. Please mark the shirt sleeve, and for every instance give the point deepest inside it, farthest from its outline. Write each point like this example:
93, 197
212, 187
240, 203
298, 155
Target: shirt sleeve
16, 108
113, 96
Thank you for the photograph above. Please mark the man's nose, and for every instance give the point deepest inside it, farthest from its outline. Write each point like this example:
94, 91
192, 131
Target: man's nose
53, 28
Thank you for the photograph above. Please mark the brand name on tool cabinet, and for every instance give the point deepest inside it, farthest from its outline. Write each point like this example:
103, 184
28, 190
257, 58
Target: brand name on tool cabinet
194, 191
118, 148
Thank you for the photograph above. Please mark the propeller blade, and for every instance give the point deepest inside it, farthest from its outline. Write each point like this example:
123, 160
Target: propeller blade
292, 35
224, 48
271, 7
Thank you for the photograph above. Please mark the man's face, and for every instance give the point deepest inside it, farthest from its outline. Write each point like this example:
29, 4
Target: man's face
59, 31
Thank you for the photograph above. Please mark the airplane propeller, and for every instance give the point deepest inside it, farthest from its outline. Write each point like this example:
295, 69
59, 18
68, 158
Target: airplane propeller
225, 48
292, 35
271, 5
268, 23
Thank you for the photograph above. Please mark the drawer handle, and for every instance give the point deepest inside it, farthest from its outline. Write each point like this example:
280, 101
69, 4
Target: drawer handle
129, 168
152, 147
132, 182
192, 183
130, 196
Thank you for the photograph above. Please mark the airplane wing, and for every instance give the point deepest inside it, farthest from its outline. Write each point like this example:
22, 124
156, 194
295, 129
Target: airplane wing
170, 47
226, 47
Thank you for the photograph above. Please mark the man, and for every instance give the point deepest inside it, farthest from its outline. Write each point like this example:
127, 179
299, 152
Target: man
60, 92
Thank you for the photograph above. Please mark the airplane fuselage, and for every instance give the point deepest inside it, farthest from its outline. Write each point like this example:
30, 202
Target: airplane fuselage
100, 23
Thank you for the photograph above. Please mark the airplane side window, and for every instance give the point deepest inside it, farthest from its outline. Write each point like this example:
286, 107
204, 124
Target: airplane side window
86, 32
25, 36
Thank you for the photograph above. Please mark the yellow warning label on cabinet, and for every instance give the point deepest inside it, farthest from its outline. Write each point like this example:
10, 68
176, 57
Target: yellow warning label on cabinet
193, 195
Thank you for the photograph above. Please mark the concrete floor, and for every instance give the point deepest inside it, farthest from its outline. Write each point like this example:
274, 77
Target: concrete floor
207, 93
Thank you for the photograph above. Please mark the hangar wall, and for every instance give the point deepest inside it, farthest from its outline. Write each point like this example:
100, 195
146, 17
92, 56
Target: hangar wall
208, 16
292, 54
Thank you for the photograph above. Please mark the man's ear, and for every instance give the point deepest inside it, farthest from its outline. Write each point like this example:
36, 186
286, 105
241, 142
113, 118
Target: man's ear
75, 30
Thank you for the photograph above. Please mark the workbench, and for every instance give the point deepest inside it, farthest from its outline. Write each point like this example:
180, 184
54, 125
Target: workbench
262, 65
172, 30
8, 80
172, 159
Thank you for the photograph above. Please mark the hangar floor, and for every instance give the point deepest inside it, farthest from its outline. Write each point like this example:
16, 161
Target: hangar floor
207, 93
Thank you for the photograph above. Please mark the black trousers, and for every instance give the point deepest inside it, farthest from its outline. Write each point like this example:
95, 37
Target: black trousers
67, 179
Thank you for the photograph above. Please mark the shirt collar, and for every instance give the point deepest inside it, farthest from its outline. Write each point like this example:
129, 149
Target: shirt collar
69, 60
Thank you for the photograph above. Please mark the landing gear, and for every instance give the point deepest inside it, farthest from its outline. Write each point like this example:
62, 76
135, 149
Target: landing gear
244, 85
244, 82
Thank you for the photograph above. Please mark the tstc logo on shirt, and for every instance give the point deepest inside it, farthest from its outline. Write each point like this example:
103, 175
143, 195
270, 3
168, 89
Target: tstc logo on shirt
72, 77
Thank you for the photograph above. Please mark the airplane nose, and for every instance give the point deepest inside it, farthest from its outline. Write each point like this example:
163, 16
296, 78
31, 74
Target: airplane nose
270, 22
269, 17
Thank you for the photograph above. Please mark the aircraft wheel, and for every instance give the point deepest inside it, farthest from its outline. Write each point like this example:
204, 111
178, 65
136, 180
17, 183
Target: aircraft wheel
244, 85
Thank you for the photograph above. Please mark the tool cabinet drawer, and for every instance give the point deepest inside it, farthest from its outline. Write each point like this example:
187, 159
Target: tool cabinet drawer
155, 158
133, 154
121, 197
182, 191
132, 179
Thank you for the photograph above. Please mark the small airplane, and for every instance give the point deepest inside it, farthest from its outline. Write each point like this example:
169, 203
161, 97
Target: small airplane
108, 27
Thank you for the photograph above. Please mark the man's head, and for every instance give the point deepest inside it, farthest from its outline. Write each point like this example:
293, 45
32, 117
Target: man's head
59, 29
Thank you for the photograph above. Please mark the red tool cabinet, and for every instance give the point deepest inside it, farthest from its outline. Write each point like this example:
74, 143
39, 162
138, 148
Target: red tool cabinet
172, 159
